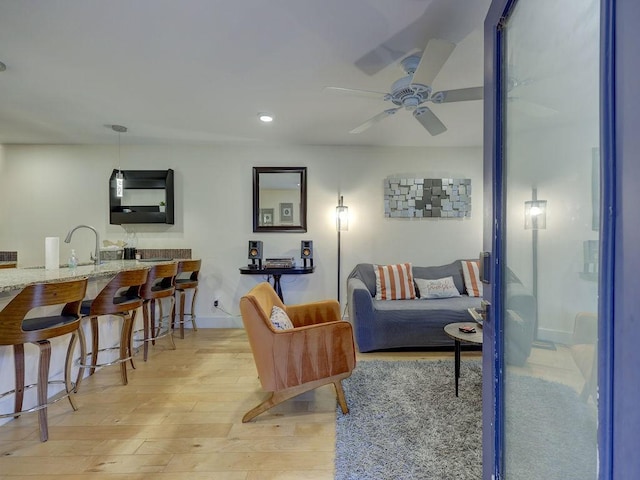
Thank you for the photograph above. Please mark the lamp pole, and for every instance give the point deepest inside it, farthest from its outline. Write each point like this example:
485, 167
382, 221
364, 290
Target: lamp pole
538, 221
339, 265
342, 223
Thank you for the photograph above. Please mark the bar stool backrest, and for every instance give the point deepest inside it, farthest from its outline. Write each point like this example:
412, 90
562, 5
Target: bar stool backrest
191, 267
121, 294
160, 281
68, 294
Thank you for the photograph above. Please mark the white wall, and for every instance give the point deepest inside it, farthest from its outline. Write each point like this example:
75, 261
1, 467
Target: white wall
46, 190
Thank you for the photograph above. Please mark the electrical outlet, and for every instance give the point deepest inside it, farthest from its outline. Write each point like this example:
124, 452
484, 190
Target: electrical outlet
215, 303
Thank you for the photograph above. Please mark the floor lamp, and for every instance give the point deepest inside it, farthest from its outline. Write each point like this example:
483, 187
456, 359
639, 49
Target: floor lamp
342, 225
535, 218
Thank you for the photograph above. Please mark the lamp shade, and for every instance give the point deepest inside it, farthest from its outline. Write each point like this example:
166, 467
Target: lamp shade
342, 216
119, 184
535, 215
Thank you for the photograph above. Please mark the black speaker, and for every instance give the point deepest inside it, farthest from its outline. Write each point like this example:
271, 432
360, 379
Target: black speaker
255, 251
306, 251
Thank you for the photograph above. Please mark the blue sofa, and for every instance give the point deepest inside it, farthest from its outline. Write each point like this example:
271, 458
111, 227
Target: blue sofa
387, 324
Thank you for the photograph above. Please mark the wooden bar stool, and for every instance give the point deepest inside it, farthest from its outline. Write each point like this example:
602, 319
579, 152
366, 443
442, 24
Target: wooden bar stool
160, 284
16, 330
189, 270
121, 298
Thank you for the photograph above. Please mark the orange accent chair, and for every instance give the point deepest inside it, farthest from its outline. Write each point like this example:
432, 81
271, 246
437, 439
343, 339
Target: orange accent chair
319, 350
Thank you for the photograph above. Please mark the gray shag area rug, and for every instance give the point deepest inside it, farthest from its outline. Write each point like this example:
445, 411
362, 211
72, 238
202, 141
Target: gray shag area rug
405, 422
550, 432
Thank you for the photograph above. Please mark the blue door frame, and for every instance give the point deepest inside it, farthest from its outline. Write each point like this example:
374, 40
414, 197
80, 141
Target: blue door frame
619, 302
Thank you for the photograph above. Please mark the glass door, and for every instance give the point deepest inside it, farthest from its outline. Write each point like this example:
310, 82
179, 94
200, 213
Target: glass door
549, 252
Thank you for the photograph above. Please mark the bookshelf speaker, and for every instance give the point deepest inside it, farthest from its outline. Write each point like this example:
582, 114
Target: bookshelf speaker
255, 250
306, 249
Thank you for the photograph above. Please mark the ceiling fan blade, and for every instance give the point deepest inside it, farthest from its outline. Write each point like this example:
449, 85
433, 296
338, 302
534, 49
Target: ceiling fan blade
372, 121
449, 19
429, 121
460, 95
355, 92
433, 59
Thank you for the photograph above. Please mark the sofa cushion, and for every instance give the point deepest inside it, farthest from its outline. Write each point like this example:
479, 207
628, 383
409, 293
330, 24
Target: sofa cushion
394, 282
471, 274
438, 288
452, 269
279, 319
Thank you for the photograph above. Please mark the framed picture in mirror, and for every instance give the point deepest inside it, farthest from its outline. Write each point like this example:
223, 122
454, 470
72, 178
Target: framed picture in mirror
266, 216
286, 212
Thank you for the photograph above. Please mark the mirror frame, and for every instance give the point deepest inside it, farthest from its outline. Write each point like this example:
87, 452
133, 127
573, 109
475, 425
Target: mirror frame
302, 227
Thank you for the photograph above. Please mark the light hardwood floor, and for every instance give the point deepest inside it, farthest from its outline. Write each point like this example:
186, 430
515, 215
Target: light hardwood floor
180, 418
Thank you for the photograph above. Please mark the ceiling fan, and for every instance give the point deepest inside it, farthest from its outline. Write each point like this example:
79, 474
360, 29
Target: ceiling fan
413, 91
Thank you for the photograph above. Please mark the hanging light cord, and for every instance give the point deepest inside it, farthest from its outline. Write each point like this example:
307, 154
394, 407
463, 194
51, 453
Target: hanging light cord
119, 171
119, 177
120, 129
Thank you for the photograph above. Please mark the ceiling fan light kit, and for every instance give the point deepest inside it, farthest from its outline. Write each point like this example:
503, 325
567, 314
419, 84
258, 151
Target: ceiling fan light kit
412, 91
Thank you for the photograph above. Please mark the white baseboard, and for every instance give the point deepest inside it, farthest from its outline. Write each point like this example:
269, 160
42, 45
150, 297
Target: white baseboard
222, 321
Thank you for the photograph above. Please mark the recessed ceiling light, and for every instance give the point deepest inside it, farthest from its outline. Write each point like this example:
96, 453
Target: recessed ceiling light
265, 117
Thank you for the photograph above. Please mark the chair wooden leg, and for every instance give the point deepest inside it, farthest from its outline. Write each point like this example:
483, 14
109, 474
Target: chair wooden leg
43, 387
133, 315
342, 401
272, 400
71, 389
182, 297
127, 326
94, 345
152, 320
193, 314
83, 355
173, 311
147, 328
170, 333
18, 363
280, 396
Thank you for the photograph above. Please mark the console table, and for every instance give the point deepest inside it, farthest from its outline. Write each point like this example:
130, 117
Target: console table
276, 273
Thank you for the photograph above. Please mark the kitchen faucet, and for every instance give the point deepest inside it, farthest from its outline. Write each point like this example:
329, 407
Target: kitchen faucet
95, 257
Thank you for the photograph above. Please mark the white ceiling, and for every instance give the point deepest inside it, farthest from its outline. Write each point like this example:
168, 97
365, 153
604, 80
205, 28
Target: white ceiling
198, 71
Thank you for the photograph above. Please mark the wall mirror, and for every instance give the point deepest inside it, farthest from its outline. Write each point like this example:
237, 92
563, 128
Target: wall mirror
279, 199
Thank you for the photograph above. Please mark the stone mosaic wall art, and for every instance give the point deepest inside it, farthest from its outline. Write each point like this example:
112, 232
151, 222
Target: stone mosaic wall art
427, 197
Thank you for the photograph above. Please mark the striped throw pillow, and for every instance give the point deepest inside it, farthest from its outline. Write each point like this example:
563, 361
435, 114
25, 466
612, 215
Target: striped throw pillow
471, 274
394, 282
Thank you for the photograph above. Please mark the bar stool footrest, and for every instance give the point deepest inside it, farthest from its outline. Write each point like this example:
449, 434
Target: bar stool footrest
113, 362
58, 396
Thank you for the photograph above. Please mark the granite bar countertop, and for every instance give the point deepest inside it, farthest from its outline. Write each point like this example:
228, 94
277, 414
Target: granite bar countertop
18, 278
